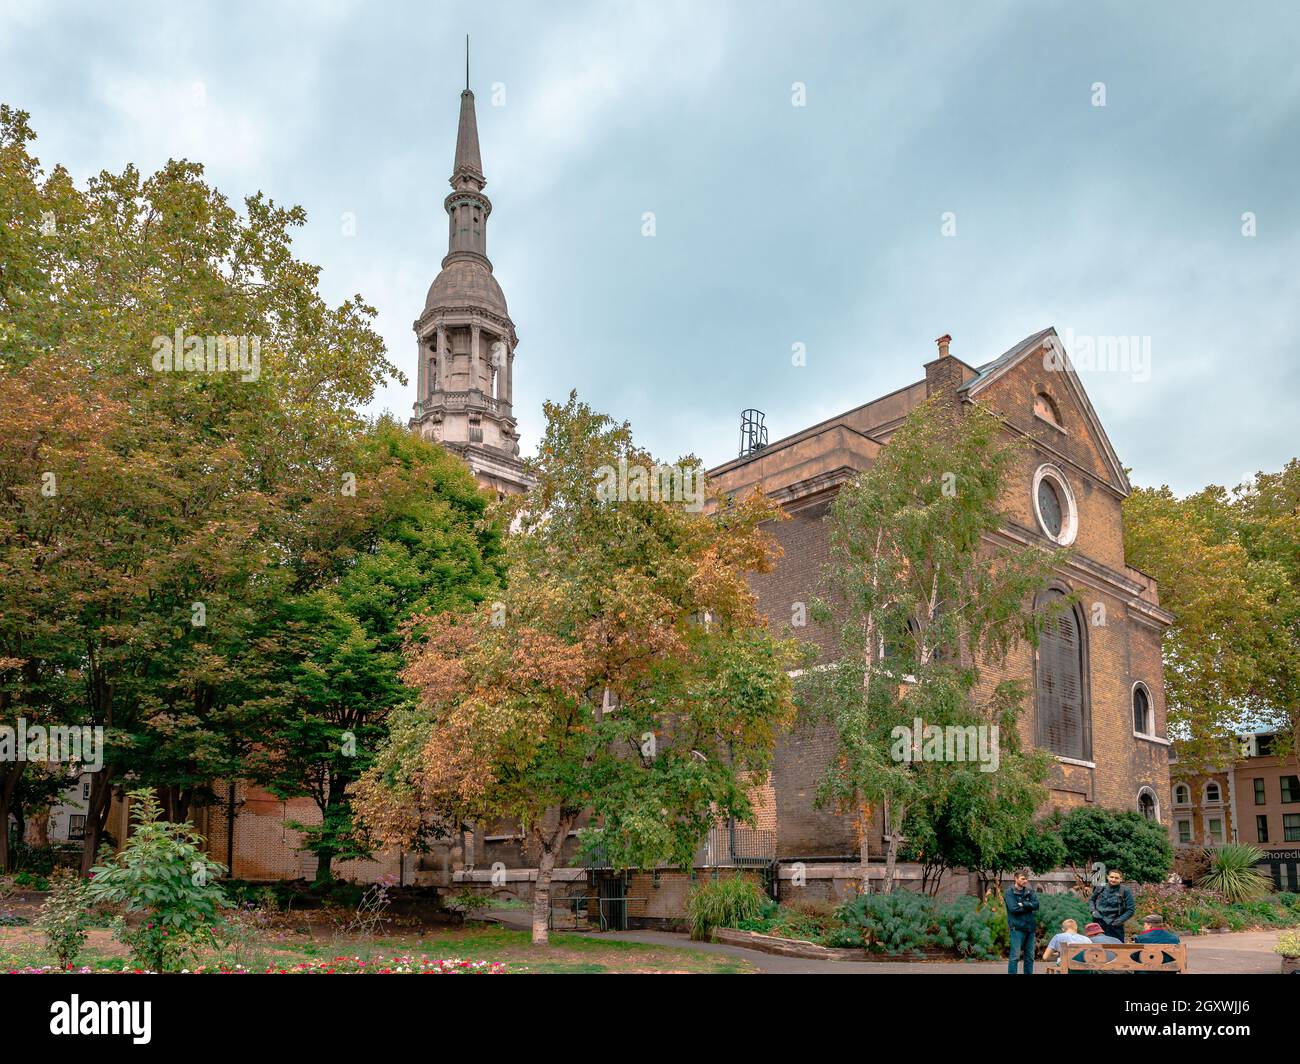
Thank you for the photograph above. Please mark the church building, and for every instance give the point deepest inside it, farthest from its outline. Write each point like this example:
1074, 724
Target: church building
1097, 681
1098, 695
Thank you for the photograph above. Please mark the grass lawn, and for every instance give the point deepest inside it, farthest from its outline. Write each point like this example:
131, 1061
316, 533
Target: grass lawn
22, 947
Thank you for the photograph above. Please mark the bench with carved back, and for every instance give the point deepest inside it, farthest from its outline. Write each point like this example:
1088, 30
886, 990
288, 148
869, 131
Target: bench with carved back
1127, 957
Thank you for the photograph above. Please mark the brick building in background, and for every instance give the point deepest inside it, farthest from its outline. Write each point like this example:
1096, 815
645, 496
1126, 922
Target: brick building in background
1249, 795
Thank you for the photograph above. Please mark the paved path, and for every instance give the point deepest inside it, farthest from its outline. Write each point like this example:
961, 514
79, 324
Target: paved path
1242, 952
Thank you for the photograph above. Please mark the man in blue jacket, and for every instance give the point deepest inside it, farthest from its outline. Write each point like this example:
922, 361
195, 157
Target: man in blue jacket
1113, 904
1022, 905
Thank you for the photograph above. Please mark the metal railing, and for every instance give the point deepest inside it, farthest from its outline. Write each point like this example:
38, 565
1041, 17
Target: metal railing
735, 845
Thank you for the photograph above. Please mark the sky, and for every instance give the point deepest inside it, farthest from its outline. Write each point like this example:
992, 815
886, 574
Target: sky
833, 186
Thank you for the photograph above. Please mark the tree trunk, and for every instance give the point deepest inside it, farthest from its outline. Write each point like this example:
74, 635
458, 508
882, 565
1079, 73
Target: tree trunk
542, 895
9, 777
891, 851
864, 846
97, 809
40, 827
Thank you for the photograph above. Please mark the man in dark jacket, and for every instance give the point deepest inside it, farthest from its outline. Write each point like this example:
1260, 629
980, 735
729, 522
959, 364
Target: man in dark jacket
1113, 904
1022, 905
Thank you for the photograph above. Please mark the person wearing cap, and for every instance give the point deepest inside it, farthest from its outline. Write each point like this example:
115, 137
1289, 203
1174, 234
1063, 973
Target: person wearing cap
1097, 934
1155, 933
1154, 930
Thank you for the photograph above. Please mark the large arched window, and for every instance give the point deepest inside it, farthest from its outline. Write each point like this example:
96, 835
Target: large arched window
1063, 712
1182, 794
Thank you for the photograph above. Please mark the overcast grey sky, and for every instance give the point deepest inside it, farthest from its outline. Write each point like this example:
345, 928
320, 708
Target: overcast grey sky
775, 224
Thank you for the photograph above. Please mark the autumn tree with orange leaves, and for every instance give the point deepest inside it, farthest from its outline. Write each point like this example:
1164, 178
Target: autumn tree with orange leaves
625, 684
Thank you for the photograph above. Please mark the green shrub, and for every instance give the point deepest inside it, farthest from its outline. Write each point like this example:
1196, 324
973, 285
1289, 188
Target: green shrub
964, 927
994, 909
1234, 873
31, 881
1128, 841
906, 922
166, 882
844, 938
39, 861
895, 923
1054, 908
726, 903
469, 901
64, 918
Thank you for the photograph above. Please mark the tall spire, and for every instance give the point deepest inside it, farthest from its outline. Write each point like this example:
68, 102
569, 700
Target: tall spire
467, 173
465, 338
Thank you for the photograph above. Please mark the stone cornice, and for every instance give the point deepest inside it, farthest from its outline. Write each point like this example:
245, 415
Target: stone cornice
464, 314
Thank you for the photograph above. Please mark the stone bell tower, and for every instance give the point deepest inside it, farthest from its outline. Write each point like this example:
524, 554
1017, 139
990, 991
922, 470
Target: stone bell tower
465, 338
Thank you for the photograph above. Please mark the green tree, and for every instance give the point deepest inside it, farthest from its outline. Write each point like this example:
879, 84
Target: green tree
964, 818
333, 656
1127, 841
1228, 567
153, 516
625, 683
924, 602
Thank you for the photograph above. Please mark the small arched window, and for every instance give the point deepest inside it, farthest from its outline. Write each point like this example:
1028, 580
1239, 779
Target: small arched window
1141, 710
1182, 794
1062, 696
1212, 793
1147, 804
1046, 408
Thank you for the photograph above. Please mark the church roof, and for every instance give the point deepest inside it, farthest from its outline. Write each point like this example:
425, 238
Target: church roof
876, 418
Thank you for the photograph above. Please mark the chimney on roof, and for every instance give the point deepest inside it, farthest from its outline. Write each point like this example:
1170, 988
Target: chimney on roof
943, 374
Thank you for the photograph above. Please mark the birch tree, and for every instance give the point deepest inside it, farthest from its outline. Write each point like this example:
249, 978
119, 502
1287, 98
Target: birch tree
924, 602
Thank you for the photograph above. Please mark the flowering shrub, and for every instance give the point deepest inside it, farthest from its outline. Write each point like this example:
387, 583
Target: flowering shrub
1194, 910
65, 917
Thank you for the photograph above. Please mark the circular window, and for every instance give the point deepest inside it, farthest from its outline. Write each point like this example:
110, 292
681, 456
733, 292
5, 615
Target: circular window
1054, 505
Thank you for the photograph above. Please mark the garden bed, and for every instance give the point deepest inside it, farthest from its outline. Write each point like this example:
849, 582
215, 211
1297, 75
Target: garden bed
794, 947
785, 947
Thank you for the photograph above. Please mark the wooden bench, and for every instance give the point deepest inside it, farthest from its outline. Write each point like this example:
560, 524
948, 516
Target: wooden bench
1127, 957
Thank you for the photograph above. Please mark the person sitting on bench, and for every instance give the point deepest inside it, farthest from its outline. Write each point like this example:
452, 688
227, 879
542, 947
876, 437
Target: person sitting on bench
1069, 936
1154, 932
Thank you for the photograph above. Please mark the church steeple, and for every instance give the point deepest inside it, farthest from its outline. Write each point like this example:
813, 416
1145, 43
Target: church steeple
467, 207
468, 171
465, 338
